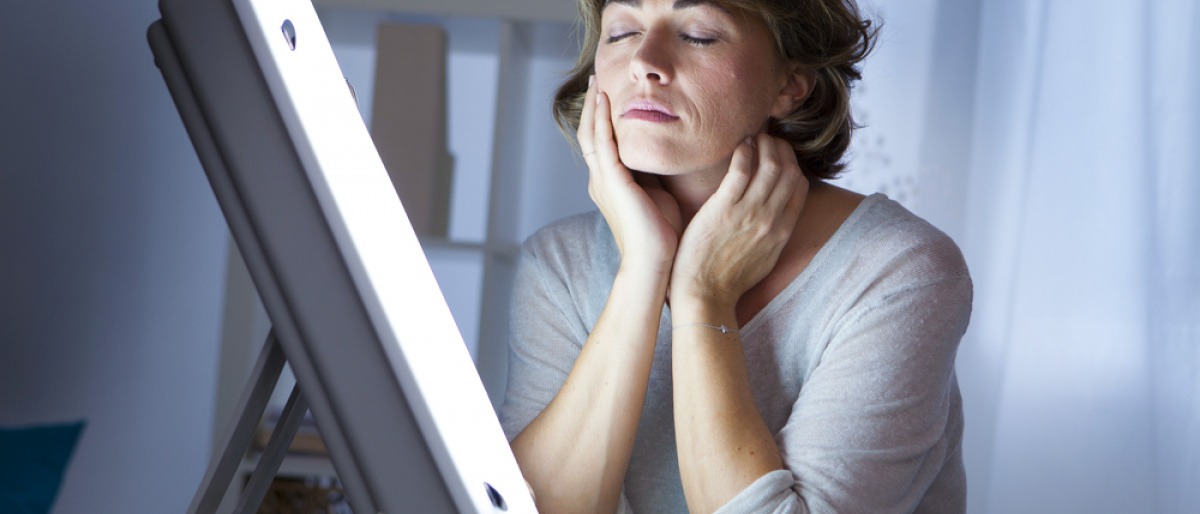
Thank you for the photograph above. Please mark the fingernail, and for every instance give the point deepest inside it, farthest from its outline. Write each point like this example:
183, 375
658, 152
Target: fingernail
749, 140
591, 78
598, 97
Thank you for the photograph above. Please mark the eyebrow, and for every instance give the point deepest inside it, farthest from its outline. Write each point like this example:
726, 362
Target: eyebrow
678, 5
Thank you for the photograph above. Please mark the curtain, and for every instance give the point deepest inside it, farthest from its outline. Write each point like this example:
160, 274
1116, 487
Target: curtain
1059, 143
1081, 369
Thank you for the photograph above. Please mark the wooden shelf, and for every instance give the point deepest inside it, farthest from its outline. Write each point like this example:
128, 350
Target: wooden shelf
563, 11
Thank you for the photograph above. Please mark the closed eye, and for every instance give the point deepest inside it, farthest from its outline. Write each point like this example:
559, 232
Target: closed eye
698, 41
689, 39
618, 37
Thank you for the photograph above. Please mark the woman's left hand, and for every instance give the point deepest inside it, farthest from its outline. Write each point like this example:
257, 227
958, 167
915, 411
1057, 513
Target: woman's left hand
736, 238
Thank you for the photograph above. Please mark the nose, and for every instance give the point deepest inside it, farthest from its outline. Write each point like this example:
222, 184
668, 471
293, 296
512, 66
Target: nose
653, 60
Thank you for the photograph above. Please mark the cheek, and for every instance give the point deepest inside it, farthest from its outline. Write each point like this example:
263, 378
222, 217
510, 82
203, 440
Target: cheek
754, 87
607, 67
735, 101
607, 73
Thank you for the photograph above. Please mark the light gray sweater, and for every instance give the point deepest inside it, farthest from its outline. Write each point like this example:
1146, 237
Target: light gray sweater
852, 366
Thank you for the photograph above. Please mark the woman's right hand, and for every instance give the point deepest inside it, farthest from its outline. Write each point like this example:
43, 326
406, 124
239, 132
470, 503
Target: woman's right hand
644, 218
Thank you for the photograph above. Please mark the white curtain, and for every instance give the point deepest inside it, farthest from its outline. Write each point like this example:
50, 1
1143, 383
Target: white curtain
1058, 141
1082, 366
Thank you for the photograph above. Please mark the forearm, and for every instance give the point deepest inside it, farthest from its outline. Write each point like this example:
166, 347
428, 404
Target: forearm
576, 451
723, 443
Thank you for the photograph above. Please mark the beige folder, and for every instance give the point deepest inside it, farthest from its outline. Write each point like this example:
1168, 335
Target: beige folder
408, 121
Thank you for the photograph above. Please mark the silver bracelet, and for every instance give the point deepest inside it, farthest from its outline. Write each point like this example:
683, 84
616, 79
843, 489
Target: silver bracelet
722, 328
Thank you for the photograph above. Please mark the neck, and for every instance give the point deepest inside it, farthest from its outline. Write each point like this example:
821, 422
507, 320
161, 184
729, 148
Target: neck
691, 190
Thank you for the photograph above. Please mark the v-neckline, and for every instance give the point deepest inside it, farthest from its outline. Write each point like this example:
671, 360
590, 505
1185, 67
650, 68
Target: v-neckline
816, 262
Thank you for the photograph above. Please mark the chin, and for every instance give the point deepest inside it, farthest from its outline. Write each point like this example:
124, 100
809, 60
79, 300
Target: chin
658, 159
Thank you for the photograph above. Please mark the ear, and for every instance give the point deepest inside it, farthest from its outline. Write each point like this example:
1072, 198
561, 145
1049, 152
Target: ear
799, 84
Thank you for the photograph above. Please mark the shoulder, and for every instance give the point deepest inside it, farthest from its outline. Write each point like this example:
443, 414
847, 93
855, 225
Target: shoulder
572, 229
887, 249
582, 234
895, 273
574, 248
898, 240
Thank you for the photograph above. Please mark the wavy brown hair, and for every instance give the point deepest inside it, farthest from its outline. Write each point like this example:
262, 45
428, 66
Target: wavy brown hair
829, 38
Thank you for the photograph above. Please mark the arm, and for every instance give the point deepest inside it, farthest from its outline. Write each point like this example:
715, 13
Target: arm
575, 452
723, 443
733, 243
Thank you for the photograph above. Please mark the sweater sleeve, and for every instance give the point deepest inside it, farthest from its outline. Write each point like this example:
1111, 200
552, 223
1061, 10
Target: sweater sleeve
879, 416
545, 338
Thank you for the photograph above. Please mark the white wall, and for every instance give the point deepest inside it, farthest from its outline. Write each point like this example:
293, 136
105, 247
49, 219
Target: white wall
552, 181
111, 255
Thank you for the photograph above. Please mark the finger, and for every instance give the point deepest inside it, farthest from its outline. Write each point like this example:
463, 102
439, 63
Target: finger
584, 134
792, 190
741, 169
795, 203
604, 140
770, 167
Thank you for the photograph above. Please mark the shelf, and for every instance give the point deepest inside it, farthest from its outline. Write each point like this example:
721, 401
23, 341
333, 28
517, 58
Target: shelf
504, 251
293, 466
512, 10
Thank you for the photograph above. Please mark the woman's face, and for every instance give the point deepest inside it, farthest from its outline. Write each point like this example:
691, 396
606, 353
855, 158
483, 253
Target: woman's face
687, 81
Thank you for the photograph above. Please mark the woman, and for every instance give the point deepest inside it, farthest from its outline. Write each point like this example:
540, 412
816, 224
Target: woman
730, 332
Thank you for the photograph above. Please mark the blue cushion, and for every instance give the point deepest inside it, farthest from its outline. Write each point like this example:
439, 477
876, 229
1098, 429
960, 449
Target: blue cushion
32, 461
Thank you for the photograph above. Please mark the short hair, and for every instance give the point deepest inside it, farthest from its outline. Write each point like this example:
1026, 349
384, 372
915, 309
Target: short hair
829, 38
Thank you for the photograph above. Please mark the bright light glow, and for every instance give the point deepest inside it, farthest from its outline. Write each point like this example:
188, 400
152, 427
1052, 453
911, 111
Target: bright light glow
382, 252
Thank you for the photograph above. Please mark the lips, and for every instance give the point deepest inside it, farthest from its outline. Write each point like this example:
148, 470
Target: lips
648, 110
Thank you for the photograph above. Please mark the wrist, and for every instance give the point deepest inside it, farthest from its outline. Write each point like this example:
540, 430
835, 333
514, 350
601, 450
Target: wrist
693, 305
691, 294
647, 277
646, 268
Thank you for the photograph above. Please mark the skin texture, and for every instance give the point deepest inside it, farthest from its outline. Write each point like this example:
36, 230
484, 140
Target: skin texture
704, 205
715, 70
